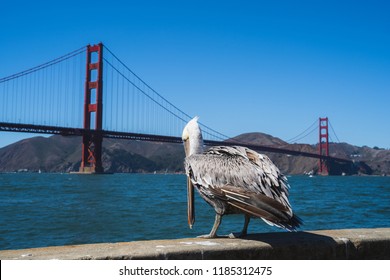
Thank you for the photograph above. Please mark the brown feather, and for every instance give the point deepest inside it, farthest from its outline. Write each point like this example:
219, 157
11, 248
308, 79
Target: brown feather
255, 197
253, 211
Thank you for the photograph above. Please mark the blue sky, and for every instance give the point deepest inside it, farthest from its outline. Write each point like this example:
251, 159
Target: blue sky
242, 66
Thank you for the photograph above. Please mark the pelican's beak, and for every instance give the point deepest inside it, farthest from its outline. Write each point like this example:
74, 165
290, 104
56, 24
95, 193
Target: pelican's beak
190, 189
190, 203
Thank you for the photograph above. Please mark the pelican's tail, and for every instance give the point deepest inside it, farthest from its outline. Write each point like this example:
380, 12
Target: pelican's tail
292, 224
261, 206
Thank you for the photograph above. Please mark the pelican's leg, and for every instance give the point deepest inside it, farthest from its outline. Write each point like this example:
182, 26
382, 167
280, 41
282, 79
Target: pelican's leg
213, 232
244, 229
246, 223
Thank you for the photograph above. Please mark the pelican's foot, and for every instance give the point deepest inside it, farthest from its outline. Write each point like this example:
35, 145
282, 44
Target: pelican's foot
237, 235
207, 236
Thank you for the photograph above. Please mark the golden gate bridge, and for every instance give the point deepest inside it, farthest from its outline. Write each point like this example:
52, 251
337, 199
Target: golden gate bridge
91, 93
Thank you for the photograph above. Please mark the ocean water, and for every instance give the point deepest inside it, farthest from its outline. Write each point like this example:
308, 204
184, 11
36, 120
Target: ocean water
39, 210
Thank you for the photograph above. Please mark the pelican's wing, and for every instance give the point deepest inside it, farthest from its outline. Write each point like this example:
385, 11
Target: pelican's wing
246, 180
261, 175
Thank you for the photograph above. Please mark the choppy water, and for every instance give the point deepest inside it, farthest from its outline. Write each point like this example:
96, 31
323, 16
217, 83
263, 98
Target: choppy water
60, 209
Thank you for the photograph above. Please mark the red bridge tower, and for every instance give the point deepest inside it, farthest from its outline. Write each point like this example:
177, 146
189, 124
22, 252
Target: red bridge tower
323, 146
91, 159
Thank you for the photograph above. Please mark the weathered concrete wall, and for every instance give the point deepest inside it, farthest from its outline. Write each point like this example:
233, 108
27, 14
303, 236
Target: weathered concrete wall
327, 244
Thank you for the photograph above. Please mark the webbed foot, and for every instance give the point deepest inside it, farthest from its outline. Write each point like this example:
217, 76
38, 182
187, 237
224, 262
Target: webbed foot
237, 235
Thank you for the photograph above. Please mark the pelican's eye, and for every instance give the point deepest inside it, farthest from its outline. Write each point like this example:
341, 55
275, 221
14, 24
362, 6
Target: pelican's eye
185, 135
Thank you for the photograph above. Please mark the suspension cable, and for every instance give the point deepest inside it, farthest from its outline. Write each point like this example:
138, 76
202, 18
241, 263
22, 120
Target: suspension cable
221, 136
44, 65
298, 137
334, 132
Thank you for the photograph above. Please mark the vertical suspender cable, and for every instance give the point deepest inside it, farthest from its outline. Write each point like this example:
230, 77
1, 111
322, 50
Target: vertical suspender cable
37, 97
112, 99
17, 102
127, 107
73, 92
12, 99
44, 117
117, 102
123, 108
32, 98
57, 96
65, 94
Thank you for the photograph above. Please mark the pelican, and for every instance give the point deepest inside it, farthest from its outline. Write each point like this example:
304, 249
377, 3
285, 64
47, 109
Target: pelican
235, 180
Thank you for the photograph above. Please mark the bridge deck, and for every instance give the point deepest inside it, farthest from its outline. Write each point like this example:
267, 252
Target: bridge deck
67, 131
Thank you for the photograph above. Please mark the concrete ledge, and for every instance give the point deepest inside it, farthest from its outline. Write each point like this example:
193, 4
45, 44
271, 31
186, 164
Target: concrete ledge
327, 244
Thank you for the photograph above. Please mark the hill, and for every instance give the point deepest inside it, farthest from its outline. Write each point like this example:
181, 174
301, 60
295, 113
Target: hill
63, 154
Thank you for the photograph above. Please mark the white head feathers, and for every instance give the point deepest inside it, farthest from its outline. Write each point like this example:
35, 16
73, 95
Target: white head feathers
193, 134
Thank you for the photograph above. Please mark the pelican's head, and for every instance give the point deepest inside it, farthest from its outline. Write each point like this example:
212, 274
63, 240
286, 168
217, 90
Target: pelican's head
192, 138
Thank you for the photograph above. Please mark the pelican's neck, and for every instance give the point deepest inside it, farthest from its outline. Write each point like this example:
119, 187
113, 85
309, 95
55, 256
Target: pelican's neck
196, 144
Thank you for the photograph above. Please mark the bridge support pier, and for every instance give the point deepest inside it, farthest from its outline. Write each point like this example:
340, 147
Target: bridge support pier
91, 158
